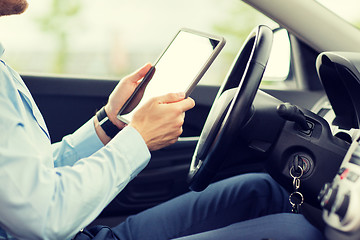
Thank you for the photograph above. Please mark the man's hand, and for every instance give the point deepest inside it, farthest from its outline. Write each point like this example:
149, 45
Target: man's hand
122, 92
117, 99
160, 120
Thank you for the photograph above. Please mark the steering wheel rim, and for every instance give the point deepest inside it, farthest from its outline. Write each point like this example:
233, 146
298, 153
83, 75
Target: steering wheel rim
231, 107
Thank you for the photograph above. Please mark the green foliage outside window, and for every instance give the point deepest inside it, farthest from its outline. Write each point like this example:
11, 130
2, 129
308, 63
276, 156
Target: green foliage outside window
56, 22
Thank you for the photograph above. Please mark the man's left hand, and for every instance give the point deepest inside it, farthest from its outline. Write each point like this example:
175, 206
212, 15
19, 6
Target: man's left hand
122, 92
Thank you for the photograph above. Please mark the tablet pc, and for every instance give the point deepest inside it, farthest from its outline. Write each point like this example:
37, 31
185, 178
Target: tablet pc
178, 69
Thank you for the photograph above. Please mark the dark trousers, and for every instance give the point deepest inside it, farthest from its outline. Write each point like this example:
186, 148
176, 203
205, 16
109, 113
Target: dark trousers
249, 206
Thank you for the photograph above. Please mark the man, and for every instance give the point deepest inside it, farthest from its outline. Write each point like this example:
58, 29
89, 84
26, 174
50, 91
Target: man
54, 191
11, 7
57, 190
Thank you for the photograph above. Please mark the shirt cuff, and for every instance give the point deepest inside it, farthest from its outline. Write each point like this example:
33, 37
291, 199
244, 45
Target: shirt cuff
85, 140
130, 141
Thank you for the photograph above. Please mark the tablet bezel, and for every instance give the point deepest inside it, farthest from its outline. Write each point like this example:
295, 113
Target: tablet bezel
221, 42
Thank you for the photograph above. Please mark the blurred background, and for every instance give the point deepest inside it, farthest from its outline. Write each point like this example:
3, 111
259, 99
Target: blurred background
108, 39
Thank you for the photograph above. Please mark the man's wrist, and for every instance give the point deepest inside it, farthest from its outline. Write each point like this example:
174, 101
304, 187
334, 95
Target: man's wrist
109, 127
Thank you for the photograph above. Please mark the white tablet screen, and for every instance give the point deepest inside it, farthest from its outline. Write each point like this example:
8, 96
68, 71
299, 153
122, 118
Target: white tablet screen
181, 65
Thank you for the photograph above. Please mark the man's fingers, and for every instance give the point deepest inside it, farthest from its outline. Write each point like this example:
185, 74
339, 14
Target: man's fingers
185, 104
171, 97
177, 99
139, 74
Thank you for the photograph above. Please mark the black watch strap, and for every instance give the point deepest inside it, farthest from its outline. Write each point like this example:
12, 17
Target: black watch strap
109, 128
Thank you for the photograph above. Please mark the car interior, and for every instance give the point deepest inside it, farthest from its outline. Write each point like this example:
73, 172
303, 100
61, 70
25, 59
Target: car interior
242, 126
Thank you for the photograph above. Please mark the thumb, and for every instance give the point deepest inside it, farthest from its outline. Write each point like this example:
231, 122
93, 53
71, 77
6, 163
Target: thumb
140, 73
171, 97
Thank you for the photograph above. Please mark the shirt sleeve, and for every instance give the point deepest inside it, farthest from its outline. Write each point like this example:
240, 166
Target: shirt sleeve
82, 143
99, 178
55, 203
40, 201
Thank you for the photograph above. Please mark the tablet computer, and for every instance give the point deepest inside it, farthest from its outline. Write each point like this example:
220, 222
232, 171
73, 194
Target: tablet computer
178, 69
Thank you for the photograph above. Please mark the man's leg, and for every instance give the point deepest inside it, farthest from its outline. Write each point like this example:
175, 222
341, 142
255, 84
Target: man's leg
223, 203
281, 226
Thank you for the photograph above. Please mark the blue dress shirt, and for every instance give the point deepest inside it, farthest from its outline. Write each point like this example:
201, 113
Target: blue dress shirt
52, 191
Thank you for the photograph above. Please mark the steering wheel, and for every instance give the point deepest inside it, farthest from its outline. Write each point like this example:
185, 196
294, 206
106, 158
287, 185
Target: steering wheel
231, 107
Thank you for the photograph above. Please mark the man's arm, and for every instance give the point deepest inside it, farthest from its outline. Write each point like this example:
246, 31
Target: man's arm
91, 137
39, 200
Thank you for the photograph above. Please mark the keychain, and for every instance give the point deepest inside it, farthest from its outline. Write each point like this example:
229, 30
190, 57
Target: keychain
296, 198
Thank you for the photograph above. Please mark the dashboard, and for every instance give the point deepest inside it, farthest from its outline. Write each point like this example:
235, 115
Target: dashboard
335, 121
339, 73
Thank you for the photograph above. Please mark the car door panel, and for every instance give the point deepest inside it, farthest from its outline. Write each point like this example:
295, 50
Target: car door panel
67, 103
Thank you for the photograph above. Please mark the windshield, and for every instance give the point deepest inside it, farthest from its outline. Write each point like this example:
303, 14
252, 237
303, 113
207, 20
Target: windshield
346, 9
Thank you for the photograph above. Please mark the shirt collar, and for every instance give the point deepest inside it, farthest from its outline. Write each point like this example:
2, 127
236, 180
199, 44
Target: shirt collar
2, 49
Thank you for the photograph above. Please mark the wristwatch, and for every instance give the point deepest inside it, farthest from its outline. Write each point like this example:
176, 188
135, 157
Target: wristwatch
109, 128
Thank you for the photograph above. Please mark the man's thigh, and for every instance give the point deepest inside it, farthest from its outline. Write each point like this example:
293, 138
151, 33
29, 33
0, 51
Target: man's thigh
282, 226
224, 203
